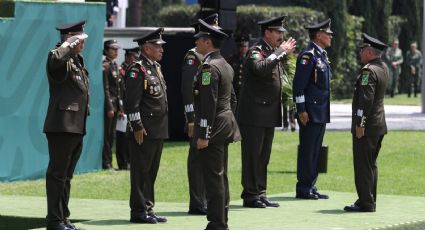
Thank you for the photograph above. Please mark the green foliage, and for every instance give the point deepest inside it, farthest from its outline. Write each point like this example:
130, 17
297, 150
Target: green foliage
345, 73
7, 8
298, 17
178, 15
289, 69
376, 14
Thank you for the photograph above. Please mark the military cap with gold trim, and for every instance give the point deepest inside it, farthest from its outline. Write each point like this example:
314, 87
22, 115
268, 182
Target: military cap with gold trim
369, 41
206, 30
154, 37
273, 24
324, 26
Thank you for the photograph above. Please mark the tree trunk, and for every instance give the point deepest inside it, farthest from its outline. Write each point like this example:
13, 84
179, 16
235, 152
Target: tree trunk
134, 13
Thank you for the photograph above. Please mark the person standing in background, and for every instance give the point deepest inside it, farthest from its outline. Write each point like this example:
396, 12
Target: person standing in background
394, 59
113, 87
112, 10
414, 68
237, 61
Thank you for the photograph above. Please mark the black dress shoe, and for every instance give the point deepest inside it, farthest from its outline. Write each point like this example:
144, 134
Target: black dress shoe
307, 196
58, 226
197, 211
159, 219
70, 225
321, 196
356, 208
143, 219
269, 203
254, 204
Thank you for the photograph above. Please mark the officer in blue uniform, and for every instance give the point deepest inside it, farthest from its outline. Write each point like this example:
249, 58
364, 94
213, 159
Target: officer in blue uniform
311, 93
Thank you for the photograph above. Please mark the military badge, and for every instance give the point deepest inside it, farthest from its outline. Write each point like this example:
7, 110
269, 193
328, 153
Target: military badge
191, 62
206, 78
133, 75
365, 78
255, 55
305, 60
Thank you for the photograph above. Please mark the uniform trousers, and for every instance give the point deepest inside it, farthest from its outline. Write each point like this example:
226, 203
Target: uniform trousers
109, 128
214, 164
64, 152
311, 138
122, 153
144, 165
365, 153
256, 150
196, 179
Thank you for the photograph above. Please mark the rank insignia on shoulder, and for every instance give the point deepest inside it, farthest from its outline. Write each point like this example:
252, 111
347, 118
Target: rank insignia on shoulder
206, 78
365, 78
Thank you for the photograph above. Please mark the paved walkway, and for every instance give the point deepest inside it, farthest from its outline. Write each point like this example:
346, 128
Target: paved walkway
398, 117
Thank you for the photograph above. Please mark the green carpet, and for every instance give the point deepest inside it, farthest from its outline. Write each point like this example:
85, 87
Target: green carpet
393, 212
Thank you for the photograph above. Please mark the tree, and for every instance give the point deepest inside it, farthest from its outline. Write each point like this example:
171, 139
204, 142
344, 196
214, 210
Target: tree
134, 13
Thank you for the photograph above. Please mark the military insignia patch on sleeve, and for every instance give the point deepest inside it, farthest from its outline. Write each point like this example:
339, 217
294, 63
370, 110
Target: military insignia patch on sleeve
206, 78
255, 55
191, 61
305, 60
133, 75
365, 78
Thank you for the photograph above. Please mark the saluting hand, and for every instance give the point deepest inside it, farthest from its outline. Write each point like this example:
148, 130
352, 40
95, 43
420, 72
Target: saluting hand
138, 135
303, 118
289, 45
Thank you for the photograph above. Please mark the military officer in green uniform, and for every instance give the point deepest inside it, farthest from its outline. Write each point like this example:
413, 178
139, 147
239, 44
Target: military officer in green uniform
113, 88
130, 56
414, 68
237, 62
191, 63
65, 123
260, 110
368, 125
394, 59
215, 124
146, 105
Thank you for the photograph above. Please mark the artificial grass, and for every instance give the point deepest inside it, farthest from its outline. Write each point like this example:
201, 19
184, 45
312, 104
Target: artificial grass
293, 214
400, 165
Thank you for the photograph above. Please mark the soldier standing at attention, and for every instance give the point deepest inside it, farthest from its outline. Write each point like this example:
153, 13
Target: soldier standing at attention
113, 88
311, 93
368, 123
191, 63
147, 108
121, 144
130, 56
215, 125
65, 123
260, 110
414, 63
237, 62
394, 59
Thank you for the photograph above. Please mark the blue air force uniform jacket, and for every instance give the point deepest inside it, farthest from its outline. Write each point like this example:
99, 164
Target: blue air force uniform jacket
311, 86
